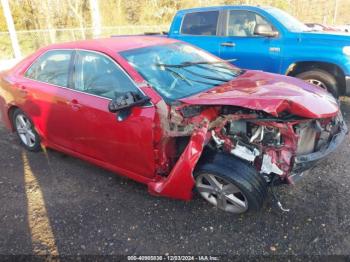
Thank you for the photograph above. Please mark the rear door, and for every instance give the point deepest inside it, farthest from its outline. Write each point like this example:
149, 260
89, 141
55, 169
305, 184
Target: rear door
44, 94
248, 50
202, 29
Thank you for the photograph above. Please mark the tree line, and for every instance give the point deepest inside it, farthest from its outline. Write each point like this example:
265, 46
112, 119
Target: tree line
50, 18
42, 14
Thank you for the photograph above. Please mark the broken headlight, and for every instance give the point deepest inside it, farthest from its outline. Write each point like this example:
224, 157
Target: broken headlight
266, 135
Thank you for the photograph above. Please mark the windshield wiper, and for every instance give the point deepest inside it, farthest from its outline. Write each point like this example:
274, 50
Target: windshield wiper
200, 64
180, 76
189, 80
186, 64
206, 77
234, 71
216, 68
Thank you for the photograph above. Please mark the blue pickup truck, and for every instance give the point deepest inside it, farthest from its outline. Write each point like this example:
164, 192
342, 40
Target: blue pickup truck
268, 39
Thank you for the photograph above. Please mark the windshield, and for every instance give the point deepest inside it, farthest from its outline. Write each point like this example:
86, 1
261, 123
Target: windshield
179, 70
289, 21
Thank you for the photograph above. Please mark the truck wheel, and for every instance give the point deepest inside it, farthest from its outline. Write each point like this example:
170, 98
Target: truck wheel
322, 79
25, 130
231, 184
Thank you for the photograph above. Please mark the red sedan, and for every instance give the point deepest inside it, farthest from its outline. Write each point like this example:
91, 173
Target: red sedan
171, 116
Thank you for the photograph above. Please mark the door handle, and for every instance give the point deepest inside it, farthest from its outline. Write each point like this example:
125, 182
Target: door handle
75, 105
228, 44
275, 49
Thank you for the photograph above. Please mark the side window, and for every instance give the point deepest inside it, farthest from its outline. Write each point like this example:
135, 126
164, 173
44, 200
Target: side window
243, 23
52, 67
200, 23
99, 75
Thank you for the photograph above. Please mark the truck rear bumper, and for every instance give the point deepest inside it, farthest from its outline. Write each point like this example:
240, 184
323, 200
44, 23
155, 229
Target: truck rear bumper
347, 85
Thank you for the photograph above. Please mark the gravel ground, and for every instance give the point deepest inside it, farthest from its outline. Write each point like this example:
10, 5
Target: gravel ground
52, 203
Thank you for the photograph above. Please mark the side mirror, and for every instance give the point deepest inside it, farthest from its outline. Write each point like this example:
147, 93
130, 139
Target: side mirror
126, 101
265, 30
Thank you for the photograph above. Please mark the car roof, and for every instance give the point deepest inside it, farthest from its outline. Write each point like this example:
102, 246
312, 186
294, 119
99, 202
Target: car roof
114, 44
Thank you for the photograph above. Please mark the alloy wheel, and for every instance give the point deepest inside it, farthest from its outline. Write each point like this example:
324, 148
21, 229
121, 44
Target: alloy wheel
317, 83
25, 130
221, 193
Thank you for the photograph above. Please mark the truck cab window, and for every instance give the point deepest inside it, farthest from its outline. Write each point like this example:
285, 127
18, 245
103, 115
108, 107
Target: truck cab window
243, 23
200, 23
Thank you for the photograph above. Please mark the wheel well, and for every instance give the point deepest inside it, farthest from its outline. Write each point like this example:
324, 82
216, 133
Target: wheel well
10, 114
333, 69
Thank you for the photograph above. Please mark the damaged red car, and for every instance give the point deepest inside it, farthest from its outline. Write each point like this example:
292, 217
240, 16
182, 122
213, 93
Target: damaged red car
171, 116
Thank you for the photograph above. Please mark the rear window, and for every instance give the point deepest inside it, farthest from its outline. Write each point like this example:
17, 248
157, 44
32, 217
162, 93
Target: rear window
52, 68
200, 23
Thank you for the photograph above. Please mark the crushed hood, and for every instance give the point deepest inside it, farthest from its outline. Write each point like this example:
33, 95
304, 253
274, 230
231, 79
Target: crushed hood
270, 93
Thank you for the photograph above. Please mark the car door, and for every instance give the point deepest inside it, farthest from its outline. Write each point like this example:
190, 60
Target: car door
201, 29
248, 50
44, 94
124, 142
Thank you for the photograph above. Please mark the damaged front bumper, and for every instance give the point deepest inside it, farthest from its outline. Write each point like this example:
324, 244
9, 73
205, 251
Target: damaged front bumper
304, 162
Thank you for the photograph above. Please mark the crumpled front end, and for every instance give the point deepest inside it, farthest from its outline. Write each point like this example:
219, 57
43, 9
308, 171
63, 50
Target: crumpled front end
280, 147
326, 141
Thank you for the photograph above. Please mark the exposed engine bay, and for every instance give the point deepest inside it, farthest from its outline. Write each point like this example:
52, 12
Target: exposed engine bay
269, 143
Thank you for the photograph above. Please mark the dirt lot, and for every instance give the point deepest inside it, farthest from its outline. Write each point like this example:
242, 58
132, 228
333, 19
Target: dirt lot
54, 203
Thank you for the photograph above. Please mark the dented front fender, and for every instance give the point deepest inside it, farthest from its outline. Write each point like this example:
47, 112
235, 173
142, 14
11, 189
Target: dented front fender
179, 183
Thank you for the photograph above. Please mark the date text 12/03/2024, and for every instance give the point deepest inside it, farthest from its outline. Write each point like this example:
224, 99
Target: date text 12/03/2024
173, 258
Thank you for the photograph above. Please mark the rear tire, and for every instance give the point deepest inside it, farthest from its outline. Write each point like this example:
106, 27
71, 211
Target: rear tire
237, 182
25, 131
322, 79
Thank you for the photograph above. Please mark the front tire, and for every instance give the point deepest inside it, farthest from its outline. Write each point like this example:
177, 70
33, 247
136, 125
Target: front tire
230, 184
322, 79
25, 130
